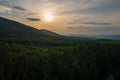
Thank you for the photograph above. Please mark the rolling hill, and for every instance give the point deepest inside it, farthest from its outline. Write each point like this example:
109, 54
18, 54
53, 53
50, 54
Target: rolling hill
27, 53
10, 28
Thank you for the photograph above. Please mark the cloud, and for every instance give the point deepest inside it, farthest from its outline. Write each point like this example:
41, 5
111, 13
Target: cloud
92, 28
4, 2
33, 19
95, 30
32, 13
92, 14
4, 9
79, 27
94, 23
19, 8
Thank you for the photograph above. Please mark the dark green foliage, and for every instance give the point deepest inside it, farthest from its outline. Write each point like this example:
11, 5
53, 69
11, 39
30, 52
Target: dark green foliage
59, 60
28, 54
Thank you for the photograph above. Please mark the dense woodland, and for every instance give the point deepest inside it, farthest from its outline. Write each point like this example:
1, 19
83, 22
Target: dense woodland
29, 54
59, 59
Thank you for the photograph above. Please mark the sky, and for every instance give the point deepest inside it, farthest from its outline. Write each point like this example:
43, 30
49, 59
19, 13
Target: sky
70, 17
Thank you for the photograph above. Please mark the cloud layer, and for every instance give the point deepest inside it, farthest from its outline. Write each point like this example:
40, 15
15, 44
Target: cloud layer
88, 13
33, 19
19, 8
4, 8
94, 23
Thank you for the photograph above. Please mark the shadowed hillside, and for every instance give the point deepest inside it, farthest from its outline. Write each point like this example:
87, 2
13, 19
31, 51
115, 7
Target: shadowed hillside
9, 28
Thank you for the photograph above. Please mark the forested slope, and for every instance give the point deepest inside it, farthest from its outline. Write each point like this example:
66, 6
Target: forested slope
53, 58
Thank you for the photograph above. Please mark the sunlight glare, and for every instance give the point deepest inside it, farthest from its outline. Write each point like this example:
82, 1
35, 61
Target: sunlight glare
48, 16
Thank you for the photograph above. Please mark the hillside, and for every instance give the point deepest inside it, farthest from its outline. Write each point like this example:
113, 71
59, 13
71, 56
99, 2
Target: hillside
27, 53
9, 28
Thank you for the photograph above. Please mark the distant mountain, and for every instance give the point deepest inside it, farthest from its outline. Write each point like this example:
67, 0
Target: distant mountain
94, 37
10, 28
114, 37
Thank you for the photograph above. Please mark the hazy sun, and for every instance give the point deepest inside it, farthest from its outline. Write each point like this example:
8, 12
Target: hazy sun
48, 17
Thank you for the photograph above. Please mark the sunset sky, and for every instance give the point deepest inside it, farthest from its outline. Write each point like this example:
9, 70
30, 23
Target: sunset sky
89, 17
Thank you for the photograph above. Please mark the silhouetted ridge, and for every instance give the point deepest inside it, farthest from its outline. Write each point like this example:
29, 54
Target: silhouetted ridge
49, 33
10, 28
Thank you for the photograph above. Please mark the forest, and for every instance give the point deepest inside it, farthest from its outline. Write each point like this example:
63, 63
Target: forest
30, 54
59, 59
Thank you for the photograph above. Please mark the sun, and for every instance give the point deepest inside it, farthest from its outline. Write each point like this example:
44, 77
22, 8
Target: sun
48, 16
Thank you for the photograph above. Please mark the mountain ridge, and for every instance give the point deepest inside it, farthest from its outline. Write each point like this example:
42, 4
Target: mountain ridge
13, 28
94, 37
